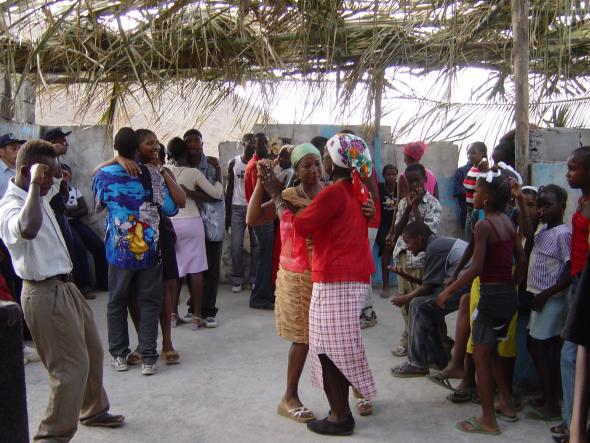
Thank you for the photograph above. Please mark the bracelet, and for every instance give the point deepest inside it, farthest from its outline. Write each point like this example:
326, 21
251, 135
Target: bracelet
281, 205
35, 183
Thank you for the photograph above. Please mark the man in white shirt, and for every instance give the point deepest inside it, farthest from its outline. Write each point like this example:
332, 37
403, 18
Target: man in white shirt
235, 214
59, 318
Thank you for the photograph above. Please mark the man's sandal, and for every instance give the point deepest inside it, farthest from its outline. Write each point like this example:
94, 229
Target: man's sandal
408, 370
171, 357
471, 426
300, 414
105, 420
364, 407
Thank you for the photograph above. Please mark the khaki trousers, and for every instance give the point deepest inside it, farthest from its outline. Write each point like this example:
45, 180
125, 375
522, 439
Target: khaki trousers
68, 343
405, 287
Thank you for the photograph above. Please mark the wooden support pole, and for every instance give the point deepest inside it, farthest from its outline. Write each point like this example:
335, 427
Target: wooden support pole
520, 50
377, 142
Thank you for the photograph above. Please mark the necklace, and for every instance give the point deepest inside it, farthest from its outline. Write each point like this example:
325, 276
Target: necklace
304, 193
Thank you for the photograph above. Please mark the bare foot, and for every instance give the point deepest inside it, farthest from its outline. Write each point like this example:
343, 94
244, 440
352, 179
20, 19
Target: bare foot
453, 372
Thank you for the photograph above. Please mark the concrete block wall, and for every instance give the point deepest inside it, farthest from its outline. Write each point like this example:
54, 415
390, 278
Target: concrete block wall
555, 144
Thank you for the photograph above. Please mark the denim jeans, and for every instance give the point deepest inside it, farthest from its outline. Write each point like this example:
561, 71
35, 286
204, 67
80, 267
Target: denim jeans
569, 351
238, 228
148, 283
211, 278
428, 330
263, 291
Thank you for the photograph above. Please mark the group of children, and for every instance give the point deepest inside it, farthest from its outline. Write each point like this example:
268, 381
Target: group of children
522, 258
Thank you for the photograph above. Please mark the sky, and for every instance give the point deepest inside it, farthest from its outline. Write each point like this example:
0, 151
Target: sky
406, 101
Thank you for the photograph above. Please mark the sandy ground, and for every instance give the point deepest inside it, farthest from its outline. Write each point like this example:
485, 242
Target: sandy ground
231, 379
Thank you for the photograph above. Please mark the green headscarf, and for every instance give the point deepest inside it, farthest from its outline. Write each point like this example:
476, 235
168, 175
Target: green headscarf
301, 151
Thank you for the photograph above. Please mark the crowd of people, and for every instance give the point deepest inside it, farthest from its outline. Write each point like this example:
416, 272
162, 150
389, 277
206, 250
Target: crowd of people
313, 213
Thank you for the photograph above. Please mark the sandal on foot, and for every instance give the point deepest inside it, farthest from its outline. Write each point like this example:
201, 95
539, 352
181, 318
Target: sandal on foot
460, 396
508, 418
134, 358
105, 420
475, 427
539, 415
441, 380
559, 429
408, 370
300, 414
364, 407
400, 351
171, 357
196, 323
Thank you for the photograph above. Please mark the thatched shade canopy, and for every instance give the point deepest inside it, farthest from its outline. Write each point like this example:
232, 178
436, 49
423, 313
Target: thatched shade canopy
151, 43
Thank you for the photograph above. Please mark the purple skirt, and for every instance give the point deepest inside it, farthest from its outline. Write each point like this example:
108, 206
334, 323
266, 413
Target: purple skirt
191, 255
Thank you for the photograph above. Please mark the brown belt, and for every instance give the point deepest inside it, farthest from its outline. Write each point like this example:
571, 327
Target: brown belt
61, 277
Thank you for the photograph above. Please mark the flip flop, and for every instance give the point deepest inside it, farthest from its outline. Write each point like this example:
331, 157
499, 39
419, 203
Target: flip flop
441, 380
504, 417
537, 414
475, 427
458, 396
300, 414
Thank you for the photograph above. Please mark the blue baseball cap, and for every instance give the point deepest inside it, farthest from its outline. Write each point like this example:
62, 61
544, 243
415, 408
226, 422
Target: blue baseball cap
54, 133
8, 139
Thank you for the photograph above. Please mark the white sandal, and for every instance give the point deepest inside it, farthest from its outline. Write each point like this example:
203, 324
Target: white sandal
364, 406
300, 414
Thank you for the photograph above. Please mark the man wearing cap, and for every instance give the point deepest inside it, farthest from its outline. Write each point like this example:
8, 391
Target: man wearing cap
9, 147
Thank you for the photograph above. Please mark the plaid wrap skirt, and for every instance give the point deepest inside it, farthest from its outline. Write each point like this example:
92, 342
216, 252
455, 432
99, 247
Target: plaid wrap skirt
335, 330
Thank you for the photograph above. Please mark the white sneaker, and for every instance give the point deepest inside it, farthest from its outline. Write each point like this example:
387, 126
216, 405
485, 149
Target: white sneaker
236, 289
186, 318
209, 322
120, 364
30, 355
148, 368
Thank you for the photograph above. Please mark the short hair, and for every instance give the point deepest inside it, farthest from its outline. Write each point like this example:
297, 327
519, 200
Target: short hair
319, 142
32, 152
506, 148
583, 154
192, 132
247, 137
126, 142
66, 167
388, 166
260, 134
481, 147
417, 229
177, 148
142, 134
559, 193
416, 168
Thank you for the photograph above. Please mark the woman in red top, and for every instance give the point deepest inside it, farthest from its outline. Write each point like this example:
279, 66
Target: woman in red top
341, 270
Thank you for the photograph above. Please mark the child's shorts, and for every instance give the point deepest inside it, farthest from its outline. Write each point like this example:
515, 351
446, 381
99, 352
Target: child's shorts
507, 347
550, 321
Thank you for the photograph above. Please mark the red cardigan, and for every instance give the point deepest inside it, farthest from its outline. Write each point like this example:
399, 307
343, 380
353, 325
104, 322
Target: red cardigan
339, 230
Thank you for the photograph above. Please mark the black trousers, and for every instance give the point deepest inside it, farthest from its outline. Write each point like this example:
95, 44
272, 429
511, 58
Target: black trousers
211, 278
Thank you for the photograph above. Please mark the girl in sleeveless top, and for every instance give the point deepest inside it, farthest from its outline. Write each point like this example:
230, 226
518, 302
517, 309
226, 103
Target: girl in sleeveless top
495, 251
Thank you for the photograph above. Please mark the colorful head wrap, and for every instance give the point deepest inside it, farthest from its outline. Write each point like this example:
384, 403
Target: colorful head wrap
415, 150
301, 151
351, 152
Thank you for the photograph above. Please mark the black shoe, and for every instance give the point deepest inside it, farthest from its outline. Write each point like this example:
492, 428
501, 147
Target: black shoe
266, 307
326, 427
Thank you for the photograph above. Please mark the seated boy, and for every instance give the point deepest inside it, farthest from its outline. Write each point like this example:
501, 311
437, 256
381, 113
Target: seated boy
428, 341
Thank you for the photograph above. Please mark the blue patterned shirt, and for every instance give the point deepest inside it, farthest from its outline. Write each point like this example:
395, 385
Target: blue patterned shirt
133, 205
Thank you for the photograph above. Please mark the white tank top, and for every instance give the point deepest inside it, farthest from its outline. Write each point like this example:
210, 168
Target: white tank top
239, 195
